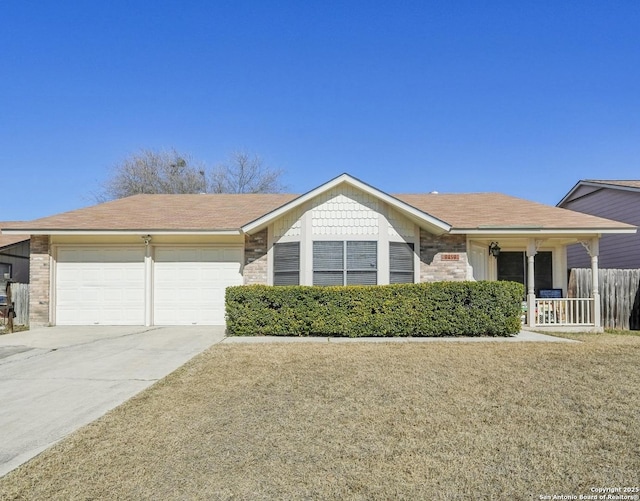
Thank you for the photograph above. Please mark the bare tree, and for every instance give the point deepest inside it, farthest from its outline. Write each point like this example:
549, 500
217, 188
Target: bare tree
150, 171
245, 173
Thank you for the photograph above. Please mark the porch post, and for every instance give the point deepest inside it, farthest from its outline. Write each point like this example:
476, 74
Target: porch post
148, 282
595, 286
531, 286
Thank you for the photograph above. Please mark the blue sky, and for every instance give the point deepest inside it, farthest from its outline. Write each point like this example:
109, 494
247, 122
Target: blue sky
524, 98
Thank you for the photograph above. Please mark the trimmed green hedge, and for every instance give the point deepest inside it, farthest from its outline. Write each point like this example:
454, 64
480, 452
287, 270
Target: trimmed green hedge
426, 309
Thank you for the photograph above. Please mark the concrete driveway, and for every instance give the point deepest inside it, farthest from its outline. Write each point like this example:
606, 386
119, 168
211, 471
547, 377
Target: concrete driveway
55, 380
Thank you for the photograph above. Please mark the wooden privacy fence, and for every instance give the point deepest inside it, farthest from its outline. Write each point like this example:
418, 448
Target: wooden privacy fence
20, 299
619, 295
20, 293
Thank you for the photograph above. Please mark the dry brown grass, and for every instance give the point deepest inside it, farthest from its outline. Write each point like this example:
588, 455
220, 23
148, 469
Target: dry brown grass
363, 421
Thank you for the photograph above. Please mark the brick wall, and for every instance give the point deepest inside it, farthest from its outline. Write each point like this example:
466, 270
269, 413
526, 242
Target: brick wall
443, 258
39, 281
255, 258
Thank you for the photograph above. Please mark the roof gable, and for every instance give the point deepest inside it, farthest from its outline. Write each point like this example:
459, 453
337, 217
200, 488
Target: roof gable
596, 184
424, 219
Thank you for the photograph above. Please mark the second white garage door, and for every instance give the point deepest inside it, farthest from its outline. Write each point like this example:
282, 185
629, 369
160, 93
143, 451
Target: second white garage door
189, 284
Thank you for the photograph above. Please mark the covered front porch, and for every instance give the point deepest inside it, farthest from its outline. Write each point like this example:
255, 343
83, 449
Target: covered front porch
540, 263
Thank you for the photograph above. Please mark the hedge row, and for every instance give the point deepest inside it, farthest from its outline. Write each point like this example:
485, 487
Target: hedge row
426, 309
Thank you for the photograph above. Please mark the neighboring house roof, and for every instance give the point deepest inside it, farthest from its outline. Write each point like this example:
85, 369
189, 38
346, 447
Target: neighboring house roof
219, 213
615, 184
630, 183
7, 240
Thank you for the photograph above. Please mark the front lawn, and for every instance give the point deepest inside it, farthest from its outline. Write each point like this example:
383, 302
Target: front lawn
438, 420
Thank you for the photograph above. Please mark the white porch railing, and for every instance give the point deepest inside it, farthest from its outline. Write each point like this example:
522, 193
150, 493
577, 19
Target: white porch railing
565, 311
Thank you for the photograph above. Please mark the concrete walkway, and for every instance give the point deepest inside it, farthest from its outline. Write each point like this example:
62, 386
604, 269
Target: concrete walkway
522, 336
55, 380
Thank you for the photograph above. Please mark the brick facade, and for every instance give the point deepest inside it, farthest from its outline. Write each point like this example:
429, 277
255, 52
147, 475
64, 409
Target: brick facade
443, 258
39, 281
255, 258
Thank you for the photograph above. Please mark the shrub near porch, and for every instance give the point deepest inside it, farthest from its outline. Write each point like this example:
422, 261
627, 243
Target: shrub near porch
425, 309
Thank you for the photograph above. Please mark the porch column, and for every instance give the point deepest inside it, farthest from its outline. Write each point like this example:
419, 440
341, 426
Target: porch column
594, 251
148, 282
531, 286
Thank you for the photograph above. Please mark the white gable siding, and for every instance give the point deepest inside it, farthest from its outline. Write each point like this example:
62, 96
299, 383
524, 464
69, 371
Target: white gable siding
616, 251
400, 226
345, 211
288, 225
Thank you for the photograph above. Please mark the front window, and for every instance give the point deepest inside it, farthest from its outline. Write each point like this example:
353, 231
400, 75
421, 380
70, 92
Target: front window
401, 263
286, 263
345, 263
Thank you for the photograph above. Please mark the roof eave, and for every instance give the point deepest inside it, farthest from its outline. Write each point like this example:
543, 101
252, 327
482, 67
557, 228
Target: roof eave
541, 231
26, 231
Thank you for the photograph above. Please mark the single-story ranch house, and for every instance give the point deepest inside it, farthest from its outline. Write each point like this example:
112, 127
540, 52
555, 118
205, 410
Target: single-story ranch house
167, 259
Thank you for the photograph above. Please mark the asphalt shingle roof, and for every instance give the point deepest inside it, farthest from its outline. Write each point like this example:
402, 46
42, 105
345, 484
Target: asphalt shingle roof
165, 212
489, 210
630, 183
209, 212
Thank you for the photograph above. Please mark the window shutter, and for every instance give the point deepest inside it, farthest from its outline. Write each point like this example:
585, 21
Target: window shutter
286, 264
328, 263
362, 263
400, 263
328, 256
331, 268
362, 256
328, 278
362, 277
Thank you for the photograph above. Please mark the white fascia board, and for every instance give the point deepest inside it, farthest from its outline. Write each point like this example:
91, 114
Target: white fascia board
425, 219
542, 231
119, 232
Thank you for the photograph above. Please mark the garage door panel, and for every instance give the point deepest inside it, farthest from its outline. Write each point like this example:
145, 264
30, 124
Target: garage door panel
107, 286
100, 286
190, 283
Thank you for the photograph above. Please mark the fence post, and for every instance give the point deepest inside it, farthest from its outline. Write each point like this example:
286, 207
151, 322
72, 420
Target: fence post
10, 307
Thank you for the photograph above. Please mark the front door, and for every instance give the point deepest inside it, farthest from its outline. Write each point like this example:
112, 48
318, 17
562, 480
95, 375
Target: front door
478, 261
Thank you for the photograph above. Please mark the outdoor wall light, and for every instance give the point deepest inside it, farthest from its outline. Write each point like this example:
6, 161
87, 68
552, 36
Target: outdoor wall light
494, 249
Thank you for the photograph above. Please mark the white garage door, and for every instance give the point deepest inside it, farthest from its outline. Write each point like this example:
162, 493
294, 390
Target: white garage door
100, 286
189, 284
